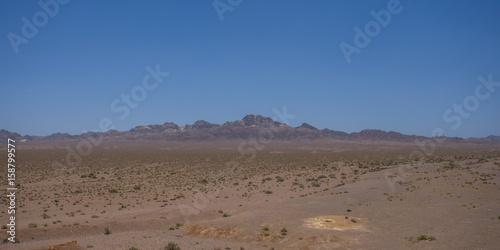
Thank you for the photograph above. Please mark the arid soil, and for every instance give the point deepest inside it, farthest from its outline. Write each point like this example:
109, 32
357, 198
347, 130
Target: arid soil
352, 196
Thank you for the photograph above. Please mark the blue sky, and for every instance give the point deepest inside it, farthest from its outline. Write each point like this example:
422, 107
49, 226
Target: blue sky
263, 55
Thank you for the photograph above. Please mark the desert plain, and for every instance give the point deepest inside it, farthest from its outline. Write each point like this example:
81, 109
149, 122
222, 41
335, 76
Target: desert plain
207, 195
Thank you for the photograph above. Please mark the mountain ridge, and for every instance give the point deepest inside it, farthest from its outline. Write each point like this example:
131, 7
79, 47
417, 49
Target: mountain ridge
248, 127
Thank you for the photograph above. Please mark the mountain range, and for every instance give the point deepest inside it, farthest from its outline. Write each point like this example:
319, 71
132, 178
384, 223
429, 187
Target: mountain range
255, 126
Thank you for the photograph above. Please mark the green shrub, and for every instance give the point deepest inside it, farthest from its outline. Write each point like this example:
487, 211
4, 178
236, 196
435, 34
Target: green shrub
425, 237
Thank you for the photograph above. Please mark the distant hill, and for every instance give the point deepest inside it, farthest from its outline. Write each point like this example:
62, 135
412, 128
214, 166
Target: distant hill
4, 135
248, 127
493, 138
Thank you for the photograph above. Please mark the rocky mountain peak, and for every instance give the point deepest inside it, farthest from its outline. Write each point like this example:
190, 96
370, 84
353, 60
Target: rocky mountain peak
259, 121
307, 126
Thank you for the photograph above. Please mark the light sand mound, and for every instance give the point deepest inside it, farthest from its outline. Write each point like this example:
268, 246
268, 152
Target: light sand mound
212, 232
232, 233
71, 245
335, 222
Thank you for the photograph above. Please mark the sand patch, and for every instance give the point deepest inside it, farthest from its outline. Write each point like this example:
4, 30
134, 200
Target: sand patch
334, 222
212, 232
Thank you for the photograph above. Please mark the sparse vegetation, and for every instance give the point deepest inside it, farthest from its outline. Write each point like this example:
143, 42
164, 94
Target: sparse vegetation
101, 191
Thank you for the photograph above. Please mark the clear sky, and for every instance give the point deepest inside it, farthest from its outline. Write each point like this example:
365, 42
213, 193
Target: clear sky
262, 55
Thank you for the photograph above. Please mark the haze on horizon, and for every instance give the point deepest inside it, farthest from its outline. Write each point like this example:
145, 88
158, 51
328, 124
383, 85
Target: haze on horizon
424, 63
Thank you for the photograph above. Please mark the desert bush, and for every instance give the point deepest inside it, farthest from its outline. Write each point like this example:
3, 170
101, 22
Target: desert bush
172, 246
425, 237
